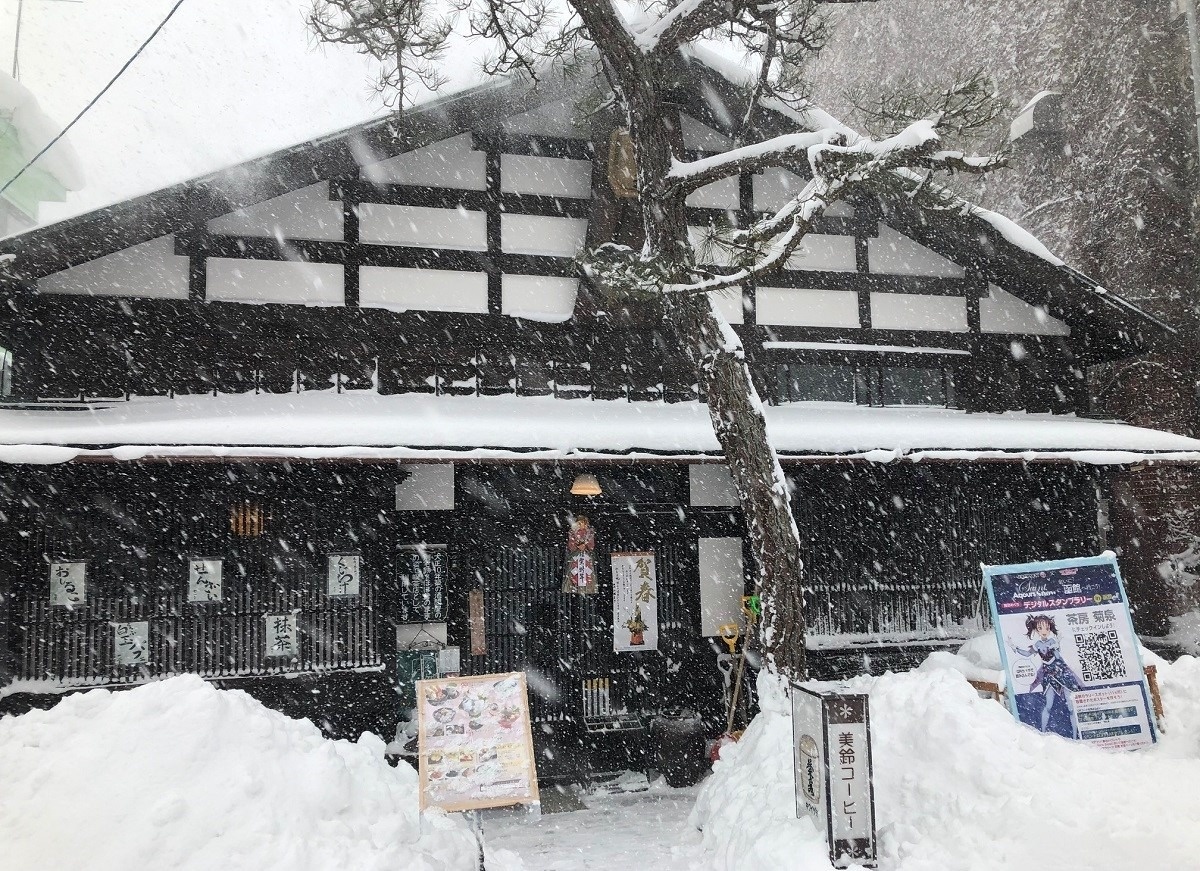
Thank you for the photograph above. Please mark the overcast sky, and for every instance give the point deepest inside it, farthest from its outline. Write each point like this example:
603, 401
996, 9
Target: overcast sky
226, 80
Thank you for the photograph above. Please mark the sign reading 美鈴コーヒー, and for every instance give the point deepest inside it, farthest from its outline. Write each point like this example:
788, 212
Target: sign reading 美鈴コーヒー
1069, 651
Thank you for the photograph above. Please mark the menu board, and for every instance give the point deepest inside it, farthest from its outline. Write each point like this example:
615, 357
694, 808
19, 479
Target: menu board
475, 742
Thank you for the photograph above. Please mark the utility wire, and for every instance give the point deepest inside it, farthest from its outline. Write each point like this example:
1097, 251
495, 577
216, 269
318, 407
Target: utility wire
94, 99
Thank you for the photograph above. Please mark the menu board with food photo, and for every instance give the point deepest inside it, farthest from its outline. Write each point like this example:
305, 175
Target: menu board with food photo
476, 746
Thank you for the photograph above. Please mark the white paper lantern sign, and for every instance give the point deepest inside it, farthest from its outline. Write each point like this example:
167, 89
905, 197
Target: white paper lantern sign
204, 579
68, 583
343, 575
131, 643
282, 637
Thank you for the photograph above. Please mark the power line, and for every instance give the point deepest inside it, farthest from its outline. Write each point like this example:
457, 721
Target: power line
94, 99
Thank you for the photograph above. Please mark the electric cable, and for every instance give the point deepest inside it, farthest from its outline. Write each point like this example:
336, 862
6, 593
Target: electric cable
94, 99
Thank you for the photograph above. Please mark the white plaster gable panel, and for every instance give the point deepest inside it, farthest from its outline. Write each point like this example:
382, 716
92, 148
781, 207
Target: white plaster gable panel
546, 176
721, 194
915, 311
710, 484
722, 583
774, 187
702, 137
428, 487
151, 269
539, 234
274, 281
556, 118
401, 289
825, 253
806, 307
1001, 312
895, 254
451, 163
304, 214
538, 298
729, 303
421, 226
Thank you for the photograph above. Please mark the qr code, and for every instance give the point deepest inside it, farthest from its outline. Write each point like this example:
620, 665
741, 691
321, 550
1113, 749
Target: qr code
1100, 655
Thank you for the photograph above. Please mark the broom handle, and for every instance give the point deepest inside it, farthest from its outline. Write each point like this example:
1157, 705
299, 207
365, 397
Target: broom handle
737, 686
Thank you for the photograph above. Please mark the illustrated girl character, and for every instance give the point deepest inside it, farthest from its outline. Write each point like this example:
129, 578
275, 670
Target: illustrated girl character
1055, 676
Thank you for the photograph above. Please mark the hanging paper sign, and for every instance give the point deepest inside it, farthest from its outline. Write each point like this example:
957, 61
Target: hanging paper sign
475, 620
343, 576
204, 579
635, 602
68, 583
131, 643
831, 734
1069, 650
475, 742
282, 636
580, 571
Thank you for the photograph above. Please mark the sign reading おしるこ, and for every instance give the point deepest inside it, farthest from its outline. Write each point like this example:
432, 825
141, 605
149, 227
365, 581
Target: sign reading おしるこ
475, 743
635, 602
1069, 651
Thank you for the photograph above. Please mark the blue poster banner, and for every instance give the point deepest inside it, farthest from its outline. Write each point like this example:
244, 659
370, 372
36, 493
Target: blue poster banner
1069, 651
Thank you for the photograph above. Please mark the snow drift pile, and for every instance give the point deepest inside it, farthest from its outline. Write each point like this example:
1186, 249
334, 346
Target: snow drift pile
959, 784
180, 775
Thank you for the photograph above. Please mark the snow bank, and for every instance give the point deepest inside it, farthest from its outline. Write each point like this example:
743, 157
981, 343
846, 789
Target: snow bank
179, 775
961, 785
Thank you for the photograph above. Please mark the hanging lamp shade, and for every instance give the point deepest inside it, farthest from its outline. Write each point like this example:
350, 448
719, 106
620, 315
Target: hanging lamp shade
585, 485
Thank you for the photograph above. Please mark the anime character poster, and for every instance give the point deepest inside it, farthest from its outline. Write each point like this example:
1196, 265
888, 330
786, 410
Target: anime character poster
1069, 651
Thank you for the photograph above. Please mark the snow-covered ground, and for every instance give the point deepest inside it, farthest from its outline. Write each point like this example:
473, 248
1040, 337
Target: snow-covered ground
178, 775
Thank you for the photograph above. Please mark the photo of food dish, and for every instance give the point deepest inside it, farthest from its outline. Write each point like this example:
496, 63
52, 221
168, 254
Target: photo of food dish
444, 715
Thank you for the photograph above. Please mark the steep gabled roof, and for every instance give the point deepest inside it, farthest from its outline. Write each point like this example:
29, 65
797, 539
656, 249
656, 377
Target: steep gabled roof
978, 237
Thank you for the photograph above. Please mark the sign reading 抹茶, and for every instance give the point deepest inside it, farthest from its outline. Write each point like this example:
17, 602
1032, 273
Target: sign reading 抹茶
131, 643
343, 575
475, 742
68, 583
204, 579
834, 787
635, 602
282, 635
1069, 651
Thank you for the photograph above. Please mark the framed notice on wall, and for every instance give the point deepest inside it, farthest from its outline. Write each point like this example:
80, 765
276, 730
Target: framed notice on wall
68, 583
635, 601
475, 742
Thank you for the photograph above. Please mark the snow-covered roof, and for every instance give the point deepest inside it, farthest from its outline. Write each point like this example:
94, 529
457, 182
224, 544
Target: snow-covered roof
364, 425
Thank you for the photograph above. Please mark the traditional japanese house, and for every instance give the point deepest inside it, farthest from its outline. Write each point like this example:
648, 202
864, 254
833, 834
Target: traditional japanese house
276, 425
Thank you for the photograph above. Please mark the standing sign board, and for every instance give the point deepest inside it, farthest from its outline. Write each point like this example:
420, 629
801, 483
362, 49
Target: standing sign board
635, 602
1069, 651
475, 742
831, 737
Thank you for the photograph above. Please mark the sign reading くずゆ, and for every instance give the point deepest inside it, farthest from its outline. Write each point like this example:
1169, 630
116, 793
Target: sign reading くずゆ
1069, 650
475, 742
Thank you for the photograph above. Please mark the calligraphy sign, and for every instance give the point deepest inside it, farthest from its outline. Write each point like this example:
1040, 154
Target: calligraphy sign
343, 576
68, 583
282, 637
579, 574
834, 787
1069, 650
204, 579
475, 742
635, 601
131, 643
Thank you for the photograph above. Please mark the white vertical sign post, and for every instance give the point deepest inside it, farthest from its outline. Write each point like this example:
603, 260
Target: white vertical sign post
282, 637
68, 583
832, 746
205, 579
131, 643
635, 602
343, 576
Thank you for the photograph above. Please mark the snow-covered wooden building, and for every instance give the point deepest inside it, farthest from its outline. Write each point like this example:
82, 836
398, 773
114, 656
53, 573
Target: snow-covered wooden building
277, 424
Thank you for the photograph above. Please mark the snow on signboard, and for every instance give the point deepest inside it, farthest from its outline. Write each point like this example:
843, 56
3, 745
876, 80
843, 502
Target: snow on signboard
831, 740
1069, 650
68, 583
204, 579
343, 576
475, 742
635, 602
131, 643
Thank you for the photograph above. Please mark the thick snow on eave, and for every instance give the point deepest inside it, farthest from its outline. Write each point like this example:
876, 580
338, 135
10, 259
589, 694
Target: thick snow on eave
370, 426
